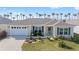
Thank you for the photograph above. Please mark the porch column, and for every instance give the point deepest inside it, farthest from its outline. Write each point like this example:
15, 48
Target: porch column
71, 31
54, 31
44, 31
29, 30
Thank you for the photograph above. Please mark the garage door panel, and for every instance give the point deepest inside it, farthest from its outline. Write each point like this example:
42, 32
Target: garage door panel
19, 32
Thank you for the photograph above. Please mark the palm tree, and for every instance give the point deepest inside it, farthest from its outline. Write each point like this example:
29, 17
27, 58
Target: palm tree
48, 16
10, 14
61, 15
23, 16
44, 15
53, 15
65, 16
4, 15
7, 15
40, 15
37, 14
30, 15
74, 16
57, 15
69, 14
78, 16
17, 16
13, 18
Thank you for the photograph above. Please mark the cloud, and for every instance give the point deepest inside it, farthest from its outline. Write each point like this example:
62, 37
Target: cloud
76, 8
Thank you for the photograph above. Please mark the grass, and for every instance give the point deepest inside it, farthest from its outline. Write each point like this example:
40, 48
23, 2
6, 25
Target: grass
50, 46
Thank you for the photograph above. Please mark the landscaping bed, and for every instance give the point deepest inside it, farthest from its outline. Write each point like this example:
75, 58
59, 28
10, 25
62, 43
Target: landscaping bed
48, 45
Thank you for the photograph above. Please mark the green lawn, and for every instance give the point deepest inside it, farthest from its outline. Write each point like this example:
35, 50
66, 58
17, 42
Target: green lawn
50, 46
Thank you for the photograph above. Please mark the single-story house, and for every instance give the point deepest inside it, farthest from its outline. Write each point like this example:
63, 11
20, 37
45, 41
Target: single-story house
37, 26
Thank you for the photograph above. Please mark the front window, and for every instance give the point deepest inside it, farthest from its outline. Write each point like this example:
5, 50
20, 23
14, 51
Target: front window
67, 31
63, 31
37, 31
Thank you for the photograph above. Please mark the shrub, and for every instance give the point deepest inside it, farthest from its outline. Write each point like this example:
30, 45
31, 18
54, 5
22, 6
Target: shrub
63, 45
75, 38
41, 40
3, 35
56, 38
61, 37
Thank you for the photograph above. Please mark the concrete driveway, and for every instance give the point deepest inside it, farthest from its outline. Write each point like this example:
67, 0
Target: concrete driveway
11, 44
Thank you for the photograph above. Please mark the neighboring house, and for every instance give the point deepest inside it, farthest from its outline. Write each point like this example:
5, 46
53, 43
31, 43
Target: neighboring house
43, 27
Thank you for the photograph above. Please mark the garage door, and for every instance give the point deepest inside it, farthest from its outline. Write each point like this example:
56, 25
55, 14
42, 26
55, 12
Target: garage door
19, 31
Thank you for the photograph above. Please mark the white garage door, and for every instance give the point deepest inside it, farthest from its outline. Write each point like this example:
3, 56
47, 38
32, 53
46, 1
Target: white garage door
19, 31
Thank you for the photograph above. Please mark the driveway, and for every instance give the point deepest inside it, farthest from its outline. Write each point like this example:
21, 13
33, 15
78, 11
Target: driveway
11, 44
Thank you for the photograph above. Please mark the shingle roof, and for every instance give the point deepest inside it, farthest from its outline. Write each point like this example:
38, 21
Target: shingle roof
4, 20
62, 23
33, 21
73, 22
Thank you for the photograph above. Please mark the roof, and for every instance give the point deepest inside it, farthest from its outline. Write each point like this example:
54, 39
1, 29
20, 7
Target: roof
73, 22
63, 23
32, 21
4, 20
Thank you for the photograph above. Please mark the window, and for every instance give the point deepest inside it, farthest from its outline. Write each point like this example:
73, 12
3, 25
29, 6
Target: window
23, 27
12, 27
66, 31
61, 31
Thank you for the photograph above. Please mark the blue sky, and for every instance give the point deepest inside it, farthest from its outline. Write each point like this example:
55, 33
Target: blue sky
48, 10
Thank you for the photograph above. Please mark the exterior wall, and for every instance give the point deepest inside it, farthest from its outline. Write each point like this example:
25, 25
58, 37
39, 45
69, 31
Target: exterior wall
8, 28
68, 36
4, 27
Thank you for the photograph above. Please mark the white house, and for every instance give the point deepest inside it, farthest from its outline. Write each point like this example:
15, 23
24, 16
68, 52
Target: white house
43, 26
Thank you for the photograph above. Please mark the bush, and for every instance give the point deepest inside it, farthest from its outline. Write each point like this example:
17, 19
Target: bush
41, 40
3, 35
75, 38
61, 37
56, 38
63, 45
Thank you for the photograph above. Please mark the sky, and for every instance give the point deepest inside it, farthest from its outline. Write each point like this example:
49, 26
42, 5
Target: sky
48, 10
41, 10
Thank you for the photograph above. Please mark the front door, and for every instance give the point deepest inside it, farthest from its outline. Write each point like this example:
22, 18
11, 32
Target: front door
50, 31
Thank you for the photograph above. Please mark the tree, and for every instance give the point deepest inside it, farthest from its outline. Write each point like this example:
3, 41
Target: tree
13, 18
4, 15
61, 15
74, 16
53, 15
21, 16
10, 14
40, 15
37, 14
78, 16
17, 16
7, 16
44, 15
65, 16
30, 15
69, 14
57, 15
48, 16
